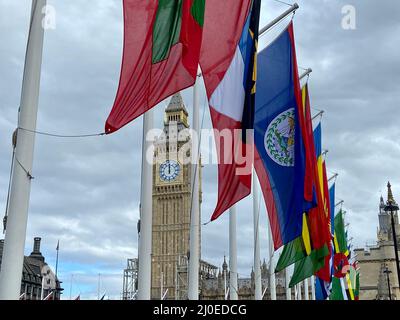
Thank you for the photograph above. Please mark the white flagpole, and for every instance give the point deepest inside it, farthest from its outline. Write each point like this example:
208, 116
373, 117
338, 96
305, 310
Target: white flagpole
299, 291
257, 267
312, 288
146, 214
306, 296
287, 281
13, 251
233, 289
194, 245
272, 282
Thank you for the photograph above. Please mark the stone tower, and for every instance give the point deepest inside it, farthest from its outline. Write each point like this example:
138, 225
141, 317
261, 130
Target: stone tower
171, 199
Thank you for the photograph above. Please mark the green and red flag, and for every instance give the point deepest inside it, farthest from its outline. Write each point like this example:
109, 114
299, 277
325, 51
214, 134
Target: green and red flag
162, 41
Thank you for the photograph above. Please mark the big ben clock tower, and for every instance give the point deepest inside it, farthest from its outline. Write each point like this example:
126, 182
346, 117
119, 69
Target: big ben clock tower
171, 199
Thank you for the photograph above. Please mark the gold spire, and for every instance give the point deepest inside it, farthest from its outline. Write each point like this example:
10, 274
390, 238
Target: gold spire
390, 194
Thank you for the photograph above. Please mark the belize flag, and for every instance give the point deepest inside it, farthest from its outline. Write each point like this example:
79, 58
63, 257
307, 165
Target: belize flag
280, 151
230, 86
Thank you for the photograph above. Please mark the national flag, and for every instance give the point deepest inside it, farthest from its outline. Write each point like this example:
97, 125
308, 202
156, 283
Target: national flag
351, 282
58, 245
228, 65
357, 289
162, 41
326, 286
280, 154
308, 250
340, 240
338, 290
340, 265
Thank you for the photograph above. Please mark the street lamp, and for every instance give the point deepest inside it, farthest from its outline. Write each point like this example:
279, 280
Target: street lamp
387, 271
391, 206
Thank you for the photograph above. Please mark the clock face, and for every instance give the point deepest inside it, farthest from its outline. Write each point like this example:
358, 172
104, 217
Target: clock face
169, 170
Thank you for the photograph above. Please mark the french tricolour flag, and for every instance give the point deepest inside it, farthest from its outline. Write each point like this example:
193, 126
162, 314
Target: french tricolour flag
230, 86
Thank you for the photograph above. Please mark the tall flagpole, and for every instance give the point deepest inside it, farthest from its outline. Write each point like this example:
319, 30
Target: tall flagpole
287, 281
194, 245
312, 288
233, 288
272, 283
299, 291
306, 294
58, 248
257, 267
13, 251
146, 214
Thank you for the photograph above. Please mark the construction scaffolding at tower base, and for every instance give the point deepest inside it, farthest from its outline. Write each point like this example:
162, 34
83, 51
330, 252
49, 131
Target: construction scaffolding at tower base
130, 284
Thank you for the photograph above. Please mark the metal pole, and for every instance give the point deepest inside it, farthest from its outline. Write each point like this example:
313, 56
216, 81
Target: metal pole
293, 8
305, 74
194, 257
287, 281
306, 296
272, 282
233, 289
13, 251
257, 267
299, 291
146, 214
396, 252
312, 288
58, 247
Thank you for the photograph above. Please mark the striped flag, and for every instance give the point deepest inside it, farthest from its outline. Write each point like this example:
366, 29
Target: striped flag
228, 64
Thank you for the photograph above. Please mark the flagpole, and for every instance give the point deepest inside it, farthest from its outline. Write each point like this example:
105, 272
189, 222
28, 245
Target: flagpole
305, 74
194, 245
293, 8
58, 247
272, 282
287, 281
299, 290
257, 267
233, 289
306, 292
146, 214
312, 288
13, 251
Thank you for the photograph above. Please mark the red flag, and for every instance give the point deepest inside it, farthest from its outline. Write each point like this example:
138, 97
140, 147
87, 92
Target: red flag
162, 41
341, 265
319, 228
325, 272
318, 217
220, 64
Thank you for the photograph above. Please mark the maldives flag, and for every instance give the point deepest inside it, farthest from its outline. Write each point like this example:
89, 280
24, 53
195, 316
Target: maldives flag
228, 63
162, 41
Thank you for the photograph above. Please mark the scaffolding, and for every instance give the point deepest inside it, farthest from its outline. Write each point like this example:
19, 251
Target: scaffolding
181, 279
130, 284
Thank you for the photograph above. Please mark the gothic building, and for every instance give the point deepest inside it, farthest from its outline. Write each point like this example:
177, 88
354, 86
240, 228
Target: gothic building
373, 261
38, 280
172, 193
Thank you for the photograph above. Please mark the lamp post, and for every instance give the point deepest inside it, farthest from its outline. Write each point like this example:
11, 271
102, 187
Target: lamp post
387, 271
392, 206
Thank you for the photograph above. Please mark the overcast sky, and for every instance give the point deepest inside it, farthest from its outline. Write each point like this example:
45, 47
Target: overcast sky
86, 191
